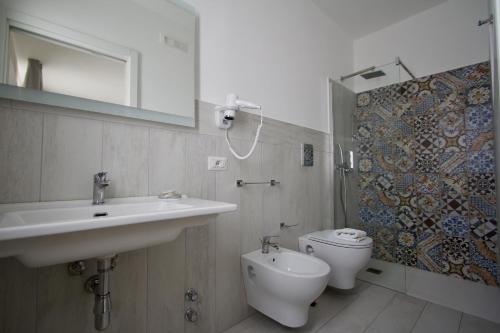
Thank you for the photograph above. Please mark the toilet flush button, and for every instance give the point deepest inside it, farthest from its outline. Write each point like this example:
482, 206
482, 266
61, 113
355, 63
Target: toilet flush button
309, 249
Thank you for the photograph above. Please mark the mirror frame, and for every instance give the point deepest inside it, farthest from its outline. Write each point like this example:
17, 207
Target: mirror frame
11, 19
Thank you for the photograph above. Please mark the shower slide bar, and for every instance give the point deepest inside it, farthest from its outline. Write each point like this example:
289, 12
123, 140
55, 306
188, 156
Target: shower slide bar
397, 62
241, 183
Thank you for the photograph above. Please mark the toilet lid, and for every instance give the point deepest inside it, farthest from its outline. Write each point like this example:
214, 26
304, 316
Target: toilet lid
328, 237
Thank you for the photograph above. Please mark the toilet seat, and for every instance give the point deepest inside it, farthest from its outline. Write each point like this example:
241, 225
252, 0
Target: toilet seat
328, 237
345, 257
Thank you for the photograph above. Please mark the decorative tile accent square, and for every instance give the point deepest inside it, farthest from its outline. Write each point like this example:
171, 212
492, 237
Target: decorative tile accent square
365, 130
478, 95
404, 183
429, 203
426, 163
384, 182
406, 256
477, 141
428, 143
481, 207
364, 99
403, 108
428, 183
386, 236
429, 223
407, 218
403, 162
426, 124
485, 229
403, 126
408, 89
451, 124
456, 249
454, 202
451, 102
424, 102
386, 217
483, 184
456, 183
367, 217
407, 238
366, 181
483, 263
365, 148
474, 75
455, 225
430, 252
451, 161
384, 252
365, 164
479, 118
481, 161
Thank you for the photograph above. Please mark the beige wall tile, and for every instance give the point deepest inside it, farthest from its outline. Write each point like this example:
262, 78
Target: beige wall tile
17, 297
167, 161
20, 155
166, 273
72, 154
125, 157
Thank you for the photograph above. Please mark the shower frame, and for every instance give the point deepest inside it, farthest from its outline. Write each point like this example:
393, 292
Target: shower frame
397, 62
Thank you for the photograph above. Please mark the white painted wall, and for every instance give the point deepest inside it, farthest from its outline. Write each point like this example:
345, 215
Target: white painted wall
439, 39
276, 53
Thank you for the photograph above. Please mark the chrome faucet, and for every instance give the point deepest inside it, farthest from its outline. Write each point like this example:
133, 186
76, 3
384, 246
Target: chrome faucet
266, 242
100, 182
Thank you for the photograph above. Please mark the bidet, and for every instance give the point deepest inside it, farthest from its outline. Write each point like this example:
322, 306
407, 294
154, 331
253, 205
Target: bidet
282, 283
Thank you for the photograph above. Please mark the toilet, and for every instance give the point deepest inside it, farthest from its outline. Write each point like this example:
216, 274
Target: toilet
346, 257
283, 283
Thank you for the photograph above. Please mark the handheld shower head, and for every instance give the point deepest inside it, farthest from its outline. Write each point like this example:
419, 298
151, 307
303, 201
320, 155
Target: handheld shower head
341, 153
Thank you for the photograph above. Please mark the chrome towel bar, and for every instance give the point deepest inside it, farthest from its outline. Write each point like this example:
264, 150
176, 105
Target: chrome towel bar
241, 183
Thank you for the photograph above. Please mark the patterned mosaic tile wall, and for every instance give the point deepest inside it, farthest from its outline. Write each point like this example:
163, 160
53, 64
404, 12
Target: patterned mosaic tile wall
426, 167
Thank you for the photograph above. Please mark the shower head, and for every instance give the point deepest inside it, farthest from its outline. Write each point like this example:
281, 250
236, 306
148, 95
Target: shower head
372, 75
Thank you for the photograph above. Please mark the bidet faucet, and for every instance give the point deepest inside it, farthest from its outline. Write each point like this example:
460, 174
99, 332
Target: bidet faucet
266, 242
100, 182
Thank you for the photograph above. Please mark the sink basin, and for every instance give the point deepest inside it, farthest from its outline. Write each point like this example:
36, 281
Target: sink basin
48, 233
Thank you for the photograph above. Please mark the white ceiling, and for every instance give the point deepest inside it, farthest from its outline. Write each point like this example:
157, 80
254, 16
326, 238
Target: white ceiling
361, 17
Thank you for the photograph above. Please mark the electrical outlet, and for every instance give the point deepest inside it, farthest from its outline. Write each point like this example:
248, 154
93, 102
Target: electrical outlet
217, 163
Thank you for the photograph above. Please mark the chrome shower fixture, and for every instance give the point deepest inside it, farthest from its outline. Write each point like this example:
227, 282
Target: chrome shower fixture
371, 72
345, 166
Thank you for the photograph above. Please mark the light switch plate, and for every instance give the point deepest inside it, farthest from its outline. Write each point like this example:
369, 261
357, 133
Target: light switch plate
217, 163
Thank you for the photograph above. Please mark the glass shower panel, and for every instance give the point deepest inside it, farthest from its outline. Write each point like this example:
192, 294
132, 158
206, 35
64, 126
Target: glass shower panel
364, 190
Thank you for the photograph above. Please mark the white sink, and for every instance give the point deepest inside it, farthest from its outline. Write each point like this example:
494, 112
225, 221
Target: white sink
48, 233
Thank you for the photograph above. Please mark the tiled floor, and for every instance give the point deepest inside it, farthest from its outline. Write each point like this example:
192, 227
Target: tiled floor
373, 309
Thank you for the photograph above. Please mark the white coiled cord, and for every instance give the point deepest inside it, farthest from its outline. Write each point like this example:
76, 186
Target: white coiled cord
253, 145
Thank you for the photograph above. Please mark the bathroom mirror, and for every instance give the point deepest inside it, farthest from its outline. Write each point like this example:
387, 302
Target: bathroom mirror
131, 58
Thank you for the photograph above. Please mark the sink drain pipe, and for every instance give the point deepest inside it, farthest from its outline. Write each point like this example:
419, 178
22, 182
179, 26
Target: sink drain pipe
99, 285
102, 305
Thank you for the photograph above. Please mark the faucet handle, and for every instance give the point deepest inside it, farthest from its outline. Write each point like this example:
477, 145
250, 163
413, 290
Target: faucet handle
101, 178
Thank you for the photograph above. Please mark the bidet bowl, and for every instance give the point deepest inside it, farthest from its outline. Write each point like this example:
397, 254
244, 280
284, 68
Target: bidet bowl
282, 284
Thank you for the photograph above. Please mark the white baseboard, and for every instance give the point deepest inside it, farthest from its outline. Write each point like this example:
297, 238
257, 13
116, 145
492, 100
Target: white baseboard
465, 296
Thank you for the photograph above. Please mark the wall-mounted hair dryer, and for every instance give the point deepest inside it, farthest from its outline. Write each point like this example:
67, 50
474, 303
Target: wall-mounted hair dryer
224, 117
